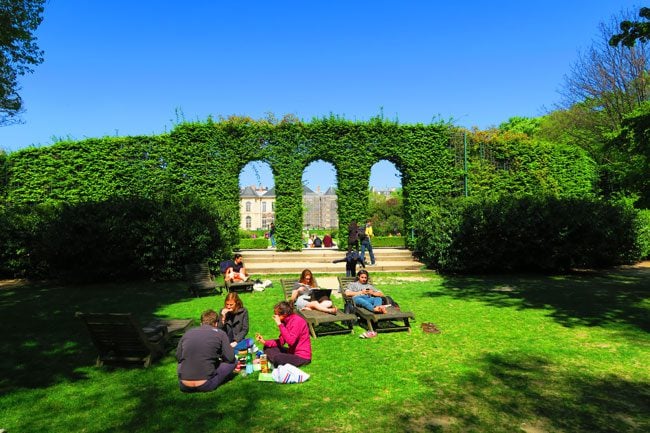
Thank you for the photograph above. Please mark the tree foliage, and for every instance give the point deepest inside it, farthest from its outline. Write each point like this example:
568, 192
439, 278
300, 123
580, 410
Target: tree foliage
605, 85
386, 213
19, 52
612, 78
633, 31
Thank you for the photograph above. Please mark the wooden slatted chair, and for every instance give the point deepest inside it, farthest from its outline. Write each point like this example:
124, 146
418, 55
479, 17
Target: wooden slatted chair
200, 280
321, 323
394, 319
120, 339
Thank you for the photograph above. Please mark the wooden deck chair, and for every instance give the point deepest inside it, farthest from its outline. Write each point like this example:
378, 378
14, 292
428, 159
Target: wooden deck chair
120, 339
200, 280
388, 322
321, 323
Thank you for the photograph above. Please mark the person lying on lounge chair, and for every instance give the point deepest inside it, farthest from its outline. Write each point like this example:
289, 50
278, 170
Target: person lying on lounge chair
301, 295
364, 295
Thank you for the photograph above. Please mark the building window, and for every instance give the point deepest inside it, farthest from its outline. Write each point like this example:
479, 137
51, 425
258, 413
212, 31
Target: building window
248, 207
263, 206
248, 221
273, 206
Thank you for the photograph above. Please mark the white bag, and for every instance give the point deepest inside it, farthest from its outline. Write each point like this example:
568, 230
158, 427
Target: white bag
287, 373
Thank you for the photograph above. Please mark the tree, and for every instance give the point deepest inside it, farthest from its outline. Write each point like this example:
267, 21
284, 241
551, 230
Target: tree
604, 85
386, 212
19, 52
631, 31
613, 79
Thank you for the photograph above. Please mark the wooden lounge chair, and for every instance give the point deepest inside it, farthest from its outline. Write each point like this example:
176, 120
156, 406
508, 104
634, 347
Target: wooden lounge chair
321, 323
200, 280
387, 322
120, 339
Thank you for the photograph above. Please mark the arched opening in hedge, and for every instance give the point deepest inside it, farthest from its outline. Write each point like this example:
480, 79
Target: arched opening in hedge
319, 196
385, 200
256, 196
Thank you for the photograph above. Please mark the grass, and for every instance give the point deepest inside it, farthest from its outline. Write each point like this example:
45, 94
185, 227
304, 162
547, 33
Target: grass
516, 354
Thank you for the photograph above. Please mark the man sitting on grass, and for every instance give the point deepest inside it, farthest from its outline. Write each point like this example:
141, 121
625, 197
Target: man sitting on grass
364, 295
205, 357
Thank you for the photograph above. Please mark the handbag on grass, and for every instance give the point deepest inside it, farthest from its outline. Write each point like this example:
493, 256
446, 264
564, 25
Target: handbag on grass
287, 373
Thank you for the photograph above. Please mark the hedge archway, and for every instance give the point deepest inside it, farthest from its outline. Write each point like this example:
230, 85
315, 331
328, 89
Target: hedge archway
204, 159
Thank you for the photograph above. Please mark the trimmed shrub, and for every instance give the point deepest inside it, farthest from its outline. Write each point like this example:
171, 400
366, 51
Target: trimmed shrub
389, 241
254, 244
644, 233
132, 238
527, 234
20, 234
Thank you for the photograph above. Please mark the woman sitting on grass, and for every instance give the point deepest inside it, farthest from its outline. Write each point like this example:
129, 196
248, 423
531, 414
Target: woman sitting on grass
294, 332
302, 291
233, 320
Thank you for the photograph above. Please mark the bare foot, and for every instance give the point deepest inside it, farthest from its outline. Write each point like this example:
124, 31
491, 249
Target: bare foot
380, 309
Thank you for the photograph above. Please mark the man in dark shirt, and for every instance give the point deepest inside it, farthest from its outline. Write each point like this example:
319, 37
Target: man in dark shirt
235, 270
205, 357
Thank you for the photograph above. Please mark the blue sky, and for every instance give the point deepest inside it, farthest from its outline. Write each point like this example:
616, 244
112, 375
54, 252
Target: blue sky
129, 67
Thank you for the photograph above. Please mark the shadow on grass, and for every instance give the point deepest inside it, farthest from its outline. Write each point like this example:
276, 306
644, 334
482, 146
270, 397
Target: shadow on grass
43, 342
522, 393
589, 298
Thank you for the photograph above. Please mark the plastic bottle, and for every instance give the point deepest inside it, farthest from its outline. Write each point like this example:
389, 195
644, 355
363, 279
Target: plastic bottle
249, 362
264, 364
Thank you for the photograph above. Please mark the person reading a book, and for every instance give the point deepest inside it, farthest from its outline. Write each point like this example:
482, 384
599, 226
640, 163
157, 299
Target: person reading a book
304, 292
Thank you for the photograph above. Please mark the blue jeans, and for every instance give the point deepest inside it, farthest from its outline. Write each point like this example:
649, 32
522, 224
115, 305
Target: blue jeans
366, 245
222, 374
243, 345
272, 237
366, 301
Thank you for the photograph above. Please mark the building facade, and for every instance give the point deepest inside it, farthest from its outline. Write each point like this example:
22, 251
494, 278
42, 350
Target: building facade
257, 208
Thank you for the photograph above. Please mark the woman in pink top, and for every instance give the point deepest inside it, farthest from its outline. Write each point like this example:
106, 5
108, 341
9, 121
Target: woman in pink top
293, 332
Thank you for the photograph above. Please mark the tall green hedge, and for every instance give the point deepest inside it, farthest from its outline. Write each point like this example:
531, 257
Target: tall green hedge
121, 237
204, 159
530, 233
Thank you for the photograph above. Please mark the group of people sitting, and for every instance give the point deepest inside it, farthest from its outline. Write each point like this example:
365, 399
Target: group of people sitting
206, 354
314, 241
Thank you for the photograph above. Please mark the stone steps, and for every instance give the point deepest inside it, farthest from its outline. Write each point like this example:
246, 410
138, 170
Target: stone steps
319, 260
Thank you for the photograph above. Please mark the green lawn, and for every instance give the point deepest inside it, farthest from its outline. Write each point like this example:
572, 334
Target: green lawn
516, 353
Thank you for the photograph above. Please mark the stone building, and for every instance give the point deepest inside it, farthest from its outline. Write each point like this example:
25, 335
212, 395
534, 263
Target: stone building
257, 208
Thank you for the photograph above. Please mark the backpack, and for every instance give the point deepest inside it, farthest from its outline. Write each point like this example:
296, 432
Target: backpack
362, 234
318, 243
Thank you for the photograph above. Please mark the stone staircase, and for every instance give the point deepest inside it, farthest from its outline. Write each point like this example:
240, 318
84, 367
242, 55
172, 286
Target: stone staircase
319, 260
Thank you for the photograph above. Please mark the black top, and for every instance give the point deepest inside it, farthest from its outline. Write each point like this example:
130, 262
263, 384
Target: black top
200, 351
235, 325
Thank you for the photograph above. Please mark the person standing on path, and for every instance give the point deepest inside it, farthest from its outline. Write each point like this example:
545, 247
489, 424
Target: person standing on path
272, 234
366, 243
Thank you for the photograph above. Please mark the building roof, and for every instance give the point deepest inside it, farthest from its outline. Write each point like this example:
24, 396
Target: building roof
330, 191
270, 192
248, 192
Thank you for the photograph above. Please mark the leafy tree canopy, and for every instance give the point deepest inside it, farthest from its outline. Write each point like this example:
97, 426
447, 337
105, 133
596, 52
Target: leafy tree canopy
631, 31
18, 51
